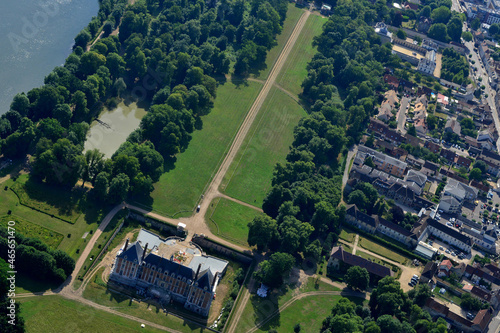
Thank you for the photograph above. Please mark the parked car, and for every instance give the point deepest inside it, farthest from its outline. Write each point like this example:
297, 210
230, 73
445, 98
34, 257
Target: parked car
447, 251
441, 248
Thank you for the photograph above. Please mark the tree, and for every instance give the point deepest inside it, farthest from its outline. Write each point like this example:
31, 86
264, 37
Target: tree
476, 174
62, 113
426, 12
438, 31
272, 271
357, 278
118, 188
91, 61
467, 36
441, 15
261, 231
454, 29
481, 165
21, 104
475, 23
432, 121
101, 184
94, 164
297, 328
119, 86
401, 34
82, 39
412, 130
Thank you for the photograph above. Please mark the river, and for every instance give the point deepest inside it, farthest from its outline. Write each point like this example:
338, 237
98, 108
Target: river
113, 127
37, 35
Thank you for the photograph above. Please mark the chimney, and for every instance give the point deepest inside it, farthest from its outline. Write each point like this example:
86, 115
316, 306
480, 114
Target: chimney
144, 253
215, 278
125, 247
197, 272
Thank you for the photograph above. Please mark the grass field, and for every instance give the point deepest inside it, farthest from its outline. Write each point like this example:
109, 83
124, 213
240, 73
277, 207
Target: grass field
49, 237
249, 176
258, 309
294, 70
229, 219
347, 235
292, 17
74, 243
309, 312
54, 201
381, 250
57, 314
180, 188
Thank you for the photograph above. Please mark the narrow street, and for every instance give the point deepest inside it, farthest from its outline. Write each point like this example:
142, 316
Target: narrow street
401, 116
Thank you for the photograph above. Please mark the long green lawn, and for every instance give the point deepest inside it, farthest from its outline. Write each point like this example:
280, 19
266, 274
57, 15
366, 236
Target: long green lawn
268, 141
57, 314
292, 17
179, 189
258, 309
229, 219
71, 242
309, 312
294, 70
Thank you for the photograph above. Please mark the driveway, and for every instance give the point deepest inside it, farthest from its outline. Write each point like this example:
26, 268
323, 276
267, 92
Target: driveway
402, 114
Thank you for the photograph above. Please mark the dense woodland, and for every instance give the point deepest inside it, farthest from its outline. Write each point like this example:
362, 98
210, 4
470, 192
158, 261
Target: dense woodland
168, 54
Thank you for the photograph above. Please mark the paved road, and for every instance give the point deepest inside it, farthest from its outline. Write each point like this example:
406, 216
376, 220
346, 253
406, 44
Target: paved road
401, 116
491, 92
355, 247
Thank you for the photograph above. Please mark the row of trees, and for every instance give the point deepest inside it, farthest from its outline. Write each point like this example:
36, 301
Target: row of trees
390, 310
454, 67
35, 259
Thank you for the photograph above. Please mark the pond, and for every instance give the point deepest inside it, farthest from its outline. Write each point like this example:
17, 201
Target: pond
113, 127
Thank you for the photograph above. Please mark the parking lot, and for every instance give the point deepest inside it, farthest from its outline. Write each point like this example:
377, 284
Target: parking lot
449, 251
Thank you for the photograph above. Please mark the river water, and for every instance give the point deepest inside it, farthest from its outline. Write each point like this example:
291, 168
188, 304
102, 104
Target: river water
37, 35
113, 128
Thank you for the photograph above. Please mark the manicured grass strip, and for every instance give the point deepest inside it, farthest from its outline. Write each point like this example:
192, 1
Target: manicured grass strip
72, 241
309, 312
57, 314
49, 237
49, 199
180, 188
294, 70
267, 143
381, 250
230, 219
347, 235
292, 17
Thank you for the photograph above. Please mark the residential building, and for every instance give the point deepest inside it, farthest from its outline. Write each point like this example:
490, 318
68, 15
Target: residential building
433, 147
384, 34
385, 111
478, 324
339, 257
427, 65
462, 161
444, 268
383, 162
171, 271
449, 155
460, 191
420, 126
428, 226
453, 126
430, 169
417, 178
392, 81
429, 271
450, 205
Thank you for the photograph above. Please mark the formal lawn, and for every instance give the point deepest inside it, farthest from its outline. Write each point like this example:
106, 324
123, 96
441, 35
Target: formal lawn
49, 237
292, 17
294, 70
179, 189
229, 219
258, 309
72, 241
347, 235
57, 314
381, 250
64, 204
268, 141
309, 312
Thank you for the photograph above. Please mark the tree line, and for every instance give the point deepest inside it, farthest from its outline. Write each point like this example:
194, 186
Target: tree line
37, 260
168, 53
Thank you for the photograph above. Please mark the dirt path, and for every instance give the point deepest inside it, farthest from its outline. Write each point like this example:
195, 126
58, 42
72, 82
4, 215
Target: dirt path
222, 195
239, 311
355, 247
